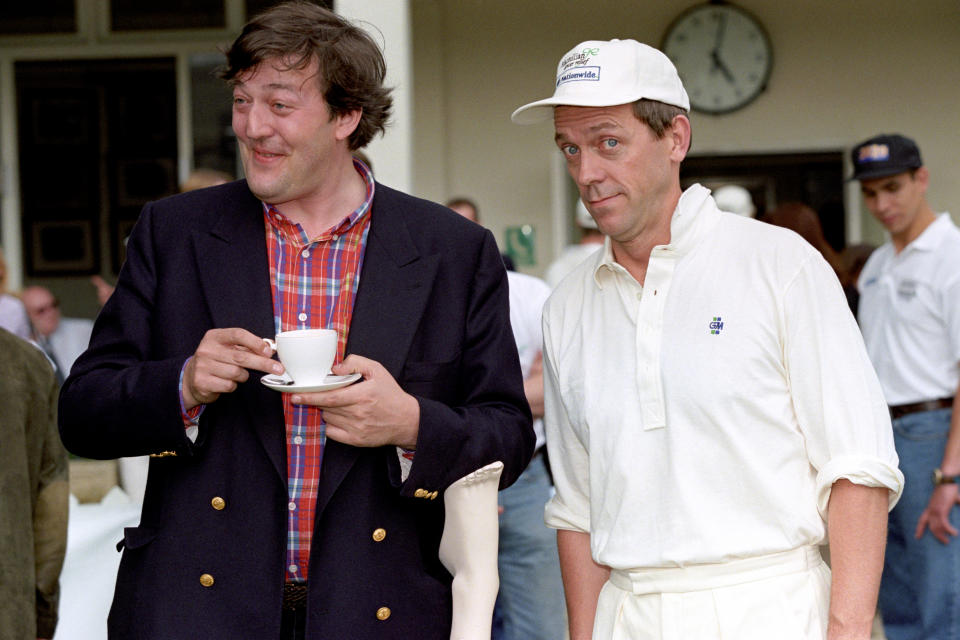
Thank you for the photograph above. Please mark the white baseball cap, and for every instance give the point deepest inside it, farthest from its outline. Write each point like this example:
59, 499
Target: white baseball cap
735, 199
600, 73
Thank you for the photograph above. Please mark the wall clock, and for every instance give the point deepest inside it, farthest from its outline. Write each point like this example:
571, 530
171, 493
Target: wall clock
723, 55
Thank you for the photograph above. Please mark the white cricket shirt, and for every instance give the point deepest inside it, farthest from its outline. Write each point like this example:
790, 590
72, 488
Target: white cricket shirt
705, 416
910, 314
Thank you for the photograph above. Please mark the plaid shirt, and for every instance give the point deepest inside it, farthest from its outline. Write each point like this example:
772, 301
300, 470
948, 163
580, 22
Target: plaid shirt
314, 283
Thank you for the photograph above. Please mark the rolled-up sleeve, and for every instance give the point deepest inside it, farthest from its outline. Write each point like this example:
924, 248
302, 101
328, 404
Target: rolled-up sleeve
837, 397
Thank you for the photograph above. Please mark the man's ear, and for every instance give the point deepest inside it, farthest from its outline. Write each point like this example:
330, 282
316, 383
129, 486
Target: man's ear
679, 133
922, 175
347, 123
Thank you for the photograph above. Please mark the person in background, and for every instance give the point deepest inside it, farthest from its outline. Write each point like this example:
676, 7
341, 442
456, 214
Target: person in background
35, 489
709, 406
572, 255
800, 218
62, 339
735, 199
530, 603
307, 514
910, 317
13, 315
854, 257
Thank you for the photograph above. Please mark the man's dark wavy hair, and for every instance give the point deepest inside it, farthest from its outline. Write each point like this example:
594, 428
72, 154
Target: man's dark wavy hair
352, 69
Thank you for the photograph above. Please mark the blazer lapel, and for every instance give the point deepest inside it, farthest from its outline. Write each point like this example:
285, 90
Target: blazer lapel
395, 285
232, 259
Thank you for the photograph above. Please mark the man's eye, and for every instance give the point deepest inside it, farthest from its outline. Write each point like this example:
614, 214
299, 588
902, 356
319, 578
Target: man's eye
569, 150
610, 143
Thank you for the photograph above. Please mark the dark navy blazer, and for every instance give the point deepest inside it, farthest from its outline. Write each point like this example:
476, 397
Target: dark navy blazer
431, 307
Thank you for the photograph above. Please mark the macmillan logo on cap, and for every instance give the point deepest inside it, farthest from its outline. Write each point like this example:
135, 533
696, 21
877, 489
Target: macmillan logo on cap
579, 58
874, 153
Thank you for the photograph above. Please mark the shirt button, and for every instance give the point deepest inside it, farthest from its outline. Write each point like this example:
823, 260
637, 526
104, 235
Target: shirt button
640, 295
218, 503
206, 580
379, 535
292, 568
334, 238
383, 613
292, 506
297, 440
306, 253
302, 317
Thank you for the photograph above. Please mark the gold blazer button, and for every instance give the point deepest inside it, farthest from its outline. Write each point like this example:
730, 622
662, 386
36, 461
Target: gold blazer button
218, 503
206, 580
383, 613
379, 534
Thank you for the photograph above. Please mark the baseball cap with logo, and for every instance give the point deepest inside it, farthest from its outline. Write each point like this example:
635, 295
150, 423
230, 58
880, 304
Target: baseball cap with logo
599, 73
884, 155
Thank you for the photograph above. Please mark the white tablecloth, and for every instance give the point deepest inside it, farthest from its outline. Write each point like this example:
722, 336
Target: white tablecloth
90, 567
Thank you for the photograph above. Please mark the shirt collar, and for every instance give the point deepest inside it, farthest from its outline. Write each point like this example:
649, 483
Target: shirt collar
279, 221
695, 213
930, 238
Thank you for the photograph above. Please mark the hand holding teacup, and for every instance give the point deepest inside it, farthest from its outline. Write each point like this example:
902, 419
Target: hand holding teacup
371, 413
221, 362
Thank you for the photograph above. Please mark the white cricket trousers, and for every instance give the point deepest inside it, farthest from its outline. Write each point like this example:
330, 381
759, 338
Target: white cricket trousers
782, 596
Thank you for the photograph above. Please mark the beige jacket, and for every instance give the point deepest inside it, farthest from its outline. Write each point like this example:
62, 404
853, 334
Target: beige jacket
34, 493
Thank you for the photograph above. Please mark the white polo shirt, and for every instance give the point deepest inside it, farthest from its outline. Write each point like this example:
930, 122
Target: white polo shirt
705, 416
910, 314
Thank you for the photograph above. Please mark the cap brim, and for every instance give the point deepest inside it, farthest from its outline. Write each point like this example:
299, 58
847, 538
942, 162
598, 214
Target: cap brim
542, 110
881, 173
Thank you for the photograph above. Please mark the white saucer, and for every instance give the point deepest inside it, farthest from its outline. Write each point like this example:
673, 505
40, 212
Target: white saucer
280, 383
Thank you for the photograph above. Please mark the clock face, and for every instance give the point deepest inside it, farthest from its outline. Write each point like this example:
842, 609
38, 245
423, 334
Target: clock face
722, 54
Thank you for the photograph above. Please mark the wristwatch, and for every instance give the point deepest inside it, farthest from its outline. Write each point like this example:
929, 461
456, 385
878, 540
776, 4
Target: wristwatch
939, 478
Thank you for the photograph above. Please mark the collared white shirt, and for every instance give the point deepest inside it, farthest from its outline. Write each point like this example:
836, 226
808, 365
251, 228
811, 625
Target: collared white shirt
706, 415
910, 314
527, 295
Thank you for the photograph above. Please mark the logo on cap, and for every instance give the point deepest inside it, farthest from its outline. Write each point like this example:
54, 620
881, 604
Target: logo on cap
579, 74
874, 153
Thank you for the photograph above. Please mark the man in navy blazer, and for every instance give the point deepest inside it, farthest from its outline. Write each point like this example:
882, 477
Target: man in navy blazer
176, 357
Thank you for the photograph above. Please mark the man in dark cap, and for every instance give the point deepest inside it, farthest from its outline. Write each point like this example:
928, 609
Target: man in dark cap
910, 317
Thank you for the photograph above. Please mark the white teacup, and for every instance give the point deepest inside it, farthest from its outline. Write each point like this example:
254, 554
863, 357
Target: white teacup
306, 354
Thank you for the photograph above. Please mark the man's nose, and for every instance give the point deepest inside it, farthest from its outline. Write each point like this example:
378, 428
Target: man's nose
256, 122
590, 170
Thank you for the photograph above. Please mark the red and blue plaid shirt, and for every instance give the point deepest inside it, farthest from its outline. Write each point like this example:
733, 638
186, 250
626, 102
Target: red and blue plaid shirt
314, 283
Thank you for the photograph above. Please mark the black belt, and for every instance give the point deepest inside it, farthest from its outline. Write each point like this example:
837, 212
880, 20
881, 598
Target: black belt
901, 410
294, 595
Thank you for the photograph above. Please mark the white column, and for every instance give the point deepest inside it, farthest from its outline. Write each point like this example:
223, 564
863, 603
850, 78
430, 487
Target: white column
388, 21
10, 178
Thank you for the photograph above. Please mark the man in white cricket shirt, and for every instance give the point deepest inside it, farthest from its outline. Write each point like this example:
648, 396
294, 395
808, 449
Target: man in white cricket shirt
910, 315
710, 407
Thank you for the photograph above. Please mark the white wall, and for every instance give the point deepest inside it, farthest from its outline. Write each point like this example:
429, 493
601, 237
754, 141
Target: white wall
842, 71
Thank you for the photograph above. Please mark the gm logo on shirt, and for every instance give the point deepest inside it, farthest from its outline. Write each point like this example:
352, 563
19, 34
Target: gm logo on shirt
716, 326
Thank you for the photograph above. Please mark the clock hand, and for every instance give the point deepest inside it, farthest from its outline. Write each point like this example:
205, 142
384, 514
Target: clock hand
718, 64
721, 28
